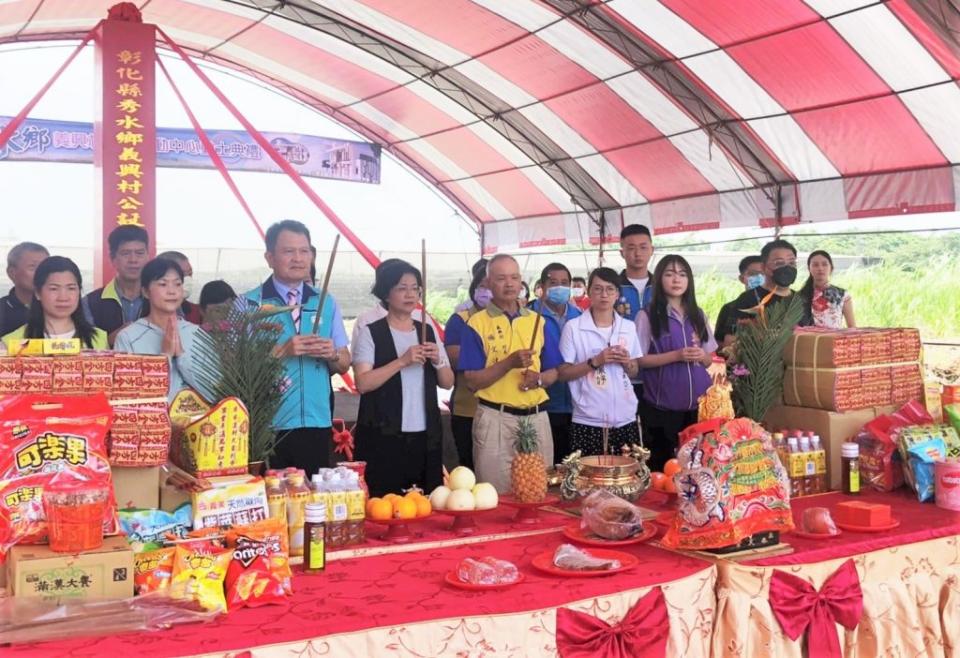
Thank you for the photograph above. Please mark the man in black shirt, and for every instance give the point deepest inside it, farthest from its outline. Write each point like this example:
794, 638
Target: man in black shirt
22, 261
751, 276
780, 271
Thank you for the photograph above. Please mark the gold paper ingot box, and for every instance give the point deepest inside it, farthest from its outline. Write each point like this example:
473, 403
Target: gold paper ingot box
210, 441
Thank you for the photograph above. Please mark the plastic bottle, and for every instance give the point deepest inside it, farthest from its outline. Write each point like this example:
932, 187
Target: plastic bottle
793, 459
299, 495
337, 514
356, 510
314, 537
808, 466
850, 468
820, 460
276, 496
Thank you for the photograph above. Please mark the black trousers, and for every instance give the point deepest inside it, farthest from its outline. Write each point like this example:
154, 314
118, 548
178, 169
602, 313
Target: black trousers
398, 462
309, 448
462, 428
661, 427
589, 439
560, 427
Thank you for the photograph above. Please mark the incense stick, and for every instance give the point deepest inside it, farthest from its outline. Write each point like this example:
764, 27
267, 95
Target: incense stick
536, 323
326, 284
423, 291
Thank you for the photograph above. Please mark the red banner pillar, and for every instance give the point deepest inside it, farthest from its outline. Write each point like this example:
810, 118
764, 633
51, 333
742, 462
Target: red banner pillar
125, 134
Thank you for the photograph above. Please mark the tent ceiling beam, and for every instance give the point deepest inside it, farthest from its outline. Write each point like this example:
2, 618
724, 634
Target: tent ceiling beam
487, 107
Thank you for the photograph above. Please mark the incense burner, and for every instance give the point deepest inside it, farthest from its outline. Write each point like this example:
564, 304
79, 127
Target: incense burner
625, 475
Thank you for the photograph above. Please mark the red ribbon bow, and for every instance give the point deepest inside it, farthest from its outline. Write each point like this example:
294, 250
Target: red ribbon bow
799, 607
342, 439
642, 632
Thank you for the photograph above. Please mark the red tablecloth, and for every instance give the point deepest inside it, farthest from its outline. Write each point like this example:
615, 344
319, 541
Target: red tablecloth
918, 522
394, 589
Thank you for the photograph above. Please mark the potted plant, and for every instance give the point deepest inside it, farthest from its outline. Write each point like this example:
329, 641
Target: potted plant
236, 357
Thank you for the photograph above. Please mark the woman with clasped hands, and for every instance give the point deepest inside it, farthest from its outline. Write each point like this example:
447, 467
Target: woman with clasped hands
398, 425
160, 331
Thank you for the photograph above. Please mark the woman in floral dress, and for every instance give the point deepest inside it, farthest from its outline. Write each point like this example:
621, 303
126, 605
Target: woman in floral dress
827, 304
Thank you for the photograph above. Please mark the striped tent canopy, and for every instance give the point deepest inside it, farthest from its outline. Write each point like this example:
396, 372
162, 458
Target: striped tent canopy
552, 122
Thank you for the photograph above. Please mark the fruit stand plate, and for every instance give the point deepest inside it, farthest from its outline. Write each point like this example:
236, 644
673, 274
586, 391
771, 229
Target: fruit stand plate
528, 513
464, 521
398, 530
453, 579
544, 562
574, 532
868, 528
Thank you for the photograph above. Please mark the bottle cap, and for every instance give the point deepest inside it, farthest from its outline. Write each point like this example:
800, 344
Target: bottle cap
315, 512
850, 450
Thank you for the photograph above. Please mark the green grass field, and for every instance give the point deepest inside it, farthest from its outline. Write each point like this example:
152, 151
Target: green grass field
924, 294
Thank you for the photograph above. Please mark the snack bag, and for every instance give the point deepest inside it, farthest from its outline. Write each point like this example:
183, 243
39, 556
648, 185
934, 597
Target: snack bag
152, 570
922, 456
879, 457
253, 583
148, 529
266, 539
731, 486
198, 573
41, 435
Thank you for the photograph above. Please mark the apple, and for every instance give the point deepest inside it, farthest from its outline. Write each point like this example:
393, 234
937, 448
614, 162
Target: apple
485, 495
461, 500
461, 478
438, 497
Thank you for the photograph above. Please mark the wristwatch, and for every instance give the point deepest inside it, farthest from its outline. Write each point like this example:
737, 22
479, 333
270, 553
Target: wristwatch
539, 382
590, 363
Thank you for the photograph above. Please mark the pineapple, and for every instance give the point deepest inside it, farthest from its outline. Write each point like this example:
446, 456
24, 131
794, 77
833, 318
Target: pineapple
528, 474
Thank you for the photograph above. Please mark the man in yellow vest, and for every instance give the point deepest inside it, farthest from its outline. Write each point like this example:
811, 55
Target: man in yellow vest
508, 377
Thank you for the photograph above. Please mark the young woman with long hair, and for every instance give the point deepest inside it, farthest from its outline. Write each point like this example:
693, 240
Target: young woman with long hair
677, 344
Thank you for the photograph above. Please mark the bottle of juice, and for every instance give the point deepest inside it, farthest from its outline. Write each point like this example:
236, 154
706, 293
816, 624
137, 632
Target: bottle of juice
356, 510
299, 495
276, 496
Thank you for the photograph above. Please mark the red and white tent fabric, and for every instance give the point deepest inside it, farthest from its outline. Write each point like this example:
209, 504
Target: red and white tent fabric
557, 121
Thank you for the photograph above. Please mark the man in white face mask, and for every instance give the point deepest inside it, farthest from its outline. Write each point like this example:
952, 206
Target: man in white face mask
188, 310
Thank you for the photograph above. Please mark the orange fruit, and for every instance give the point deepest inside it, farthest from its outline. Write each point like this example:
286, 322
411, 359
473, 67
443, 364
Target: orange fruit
657, 479
671, 468
423, 507
405, 509
669, 486
391, 497
381, 510
371, 503
413, 495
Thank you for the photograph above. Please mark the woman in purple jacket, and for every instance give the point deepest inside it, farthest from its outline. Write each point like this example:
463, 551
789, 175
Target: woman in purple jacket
677, 344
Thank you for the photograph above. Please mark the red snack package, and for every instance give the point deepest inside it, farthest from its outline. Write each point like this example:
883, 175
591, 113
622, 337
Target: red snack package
40, 436
879, 458
153, 570
253, 584
268, 539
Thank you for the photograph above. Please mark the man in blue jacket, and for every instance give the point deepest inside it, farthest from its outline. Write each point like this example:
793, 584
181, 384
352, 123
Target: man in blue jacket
303, 422
636, 282
557, 309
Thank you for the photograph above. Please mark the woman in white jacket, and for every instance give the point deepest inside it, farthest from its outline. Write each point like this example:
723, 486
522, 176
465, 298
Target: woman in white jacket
600, 351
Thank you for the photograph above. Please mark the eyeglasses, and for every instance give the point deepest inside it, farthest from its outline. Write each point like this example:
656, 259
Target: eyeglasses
603, 290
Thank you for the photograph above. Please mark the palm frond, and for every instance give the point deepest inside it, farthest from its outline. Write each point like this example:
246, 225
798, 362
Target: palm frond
236, 359
759, 347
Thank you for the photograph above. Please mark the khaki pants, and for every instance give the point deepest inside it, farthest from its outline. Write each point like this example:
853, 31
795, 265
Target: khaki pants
494, 433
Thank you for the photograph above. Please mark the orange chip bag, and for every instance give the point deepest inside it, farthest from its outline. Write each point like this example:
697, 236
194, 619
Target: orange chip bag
153, 570
198, 574
268, 539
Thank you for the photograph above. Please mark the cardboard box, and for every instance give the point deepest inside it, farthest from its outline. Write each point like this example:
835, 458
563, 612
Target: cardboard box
36, 571
233, 500
137, 486
832, 427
